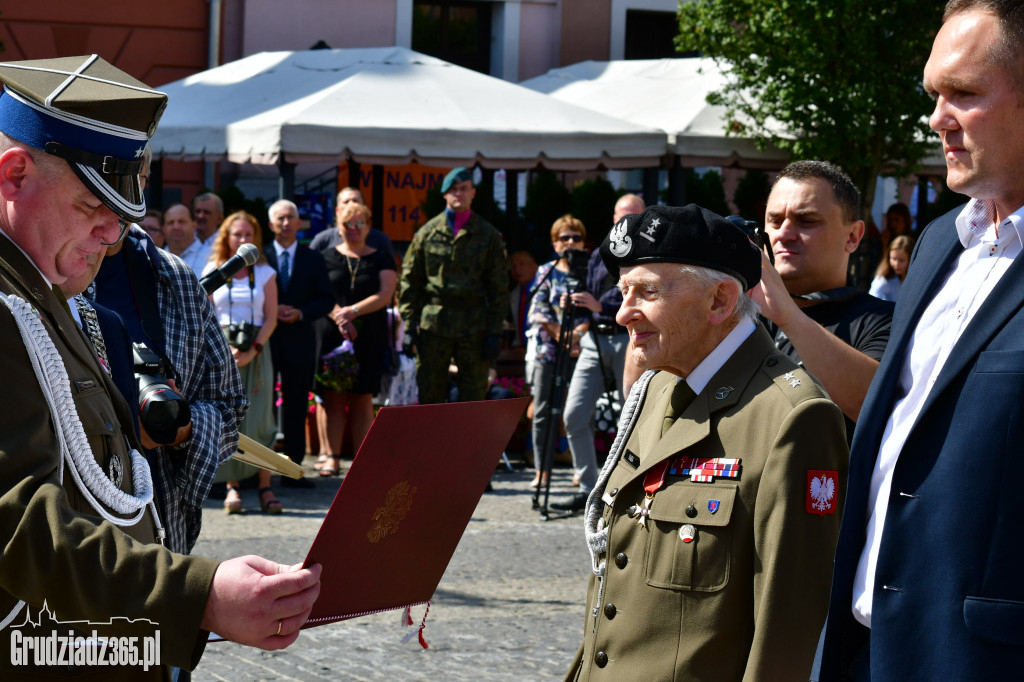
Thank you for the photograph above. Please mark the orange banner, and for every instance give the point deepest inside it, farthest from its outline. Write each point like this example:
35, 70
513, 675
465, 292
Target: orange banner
405, 188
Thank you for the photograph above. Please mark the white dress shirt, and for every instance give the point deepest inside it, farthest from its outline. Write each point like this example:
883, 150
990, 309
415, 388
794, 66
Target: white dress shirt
196, 255
702, 373
278, 249
988, 253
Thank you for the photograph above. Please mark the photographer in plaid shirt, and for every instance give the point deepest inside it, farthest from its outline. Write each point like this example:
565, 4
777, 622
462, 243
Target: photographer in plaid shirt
162, 304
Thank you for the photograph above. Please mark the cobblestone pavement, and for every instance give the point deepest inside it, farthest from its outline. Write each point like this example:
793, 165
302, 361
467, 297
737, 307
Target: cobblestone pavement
510, 605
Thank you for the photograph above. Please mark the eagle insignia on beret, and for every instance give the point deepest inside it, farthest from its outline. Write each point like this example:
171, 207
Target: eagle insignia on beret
620, 244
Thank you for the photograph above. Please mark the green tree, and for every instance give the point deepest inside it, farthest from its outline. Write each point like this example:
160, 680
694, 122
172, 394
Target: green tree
751, 195
547, 200
706, 190
841, 77
593, 202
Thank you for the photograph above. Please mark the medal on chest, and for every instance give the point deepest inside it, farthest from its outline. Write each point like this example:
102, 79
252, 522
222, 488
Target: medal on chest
654, 479
705, 469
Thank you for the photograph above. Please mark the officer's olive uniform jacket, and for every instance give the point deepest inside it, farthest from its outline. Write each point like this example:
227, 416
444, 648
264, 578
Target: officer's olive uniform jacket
455, 285
56, 549
746, 599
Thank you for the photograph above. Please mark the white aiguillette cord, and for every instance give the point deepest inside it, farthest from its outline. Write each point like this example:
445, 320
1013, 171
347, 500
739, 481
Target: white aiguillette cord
98, 490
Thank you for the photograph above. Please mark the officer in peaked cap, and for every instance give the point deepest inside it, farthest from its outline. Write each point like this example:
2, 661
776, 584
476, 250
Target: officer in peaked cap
80, 527
714, 519
89, 113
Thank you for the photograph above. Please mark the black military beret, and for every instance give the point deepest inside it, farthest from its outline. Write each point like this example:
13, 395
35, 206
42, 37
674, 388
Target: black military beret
682, 234
90, 113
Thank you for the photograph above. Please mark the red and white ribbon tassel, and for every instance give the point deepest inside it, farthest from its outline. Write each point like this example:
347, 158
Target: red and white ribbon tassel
418, 631
407, 616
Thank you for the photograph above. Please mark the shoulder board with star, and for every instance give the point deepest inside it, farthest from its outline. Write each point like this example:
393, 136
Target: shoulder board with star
792, 380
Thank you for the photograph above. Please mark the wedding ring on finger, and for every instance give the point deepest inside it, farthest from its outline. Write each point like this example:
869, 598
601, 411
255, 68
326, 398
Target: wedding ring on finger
279, 624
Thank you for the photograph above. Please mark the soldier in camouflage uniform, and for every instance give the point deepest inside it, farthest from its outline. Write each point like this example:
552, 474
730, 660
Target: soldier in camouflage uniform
453, 295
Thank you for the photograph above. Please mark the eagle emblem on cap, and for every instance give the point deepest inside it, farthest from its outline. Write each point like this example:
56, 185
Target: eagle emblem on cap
620, 244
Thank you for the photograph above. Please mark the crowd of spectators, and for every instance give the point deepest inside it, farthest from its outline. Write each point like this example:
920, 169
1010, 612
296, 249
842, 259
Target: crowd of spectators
762, 393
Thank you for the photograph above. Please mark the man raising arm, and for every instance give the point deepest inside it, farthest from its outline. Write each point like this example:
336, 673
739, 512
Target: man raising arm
837, 332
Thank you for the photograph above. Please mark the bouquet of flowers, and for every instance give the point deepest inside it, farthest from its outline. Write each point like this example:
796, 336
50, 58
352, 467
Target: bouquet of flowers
338, 369
310, 398
516, 385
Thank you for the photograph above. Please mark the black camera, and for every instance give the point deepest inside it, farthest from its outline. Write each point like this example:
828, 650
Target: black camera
241, 335
756, 234
577, 260
162, 411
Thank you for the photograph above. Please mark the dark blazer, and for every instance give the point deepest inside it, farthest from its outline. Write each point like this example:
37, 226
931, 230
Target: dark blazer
294, 346
949, 599
120, 355
309, 290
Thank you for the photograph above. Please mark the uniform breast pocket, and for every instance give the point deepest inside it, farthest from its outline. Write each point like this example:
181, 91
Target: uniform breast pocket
690, 542
95, 412
437, 255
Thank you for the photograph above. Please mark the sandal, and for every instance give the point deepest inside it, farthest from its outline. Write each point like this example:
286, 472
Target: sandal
331, 467
233, 501
273, 506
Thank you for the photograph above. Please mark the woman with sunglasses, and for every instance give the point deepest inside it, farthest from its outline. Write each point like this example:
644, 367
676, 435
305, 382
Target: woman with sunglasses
545, 319
363, 280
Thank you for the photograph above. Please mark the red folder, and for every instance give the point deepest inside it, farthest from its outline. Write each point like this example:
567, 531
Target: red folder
404, 504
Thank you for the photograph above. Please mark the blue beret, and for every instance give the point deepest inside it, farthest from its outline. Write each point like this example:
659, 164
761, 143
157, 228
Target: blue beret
455, 176
689, 235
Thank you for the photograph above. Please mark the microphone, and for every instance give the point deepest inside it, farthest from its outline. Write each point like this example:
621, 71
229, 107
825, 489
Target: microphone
246, 256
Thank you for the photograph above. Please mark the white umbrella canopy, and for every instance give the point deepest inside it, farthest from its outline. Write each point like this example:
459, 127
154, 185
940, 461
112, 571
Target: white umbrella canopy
386, 106
669, 94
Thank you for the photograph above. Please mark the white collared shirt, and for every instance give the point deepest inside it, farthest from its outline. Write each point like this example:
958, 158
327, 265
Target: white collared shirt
702, 373
195, 255
278, 249
970, 280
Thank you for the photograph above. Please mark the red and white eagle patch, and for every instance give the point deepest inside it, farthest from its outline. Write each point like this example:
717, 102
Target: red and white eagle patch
822, 487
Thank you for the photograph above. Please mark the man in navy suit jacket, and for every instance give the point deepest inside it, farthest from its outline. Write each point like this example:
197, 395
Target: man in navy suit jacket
927, 581
304, 296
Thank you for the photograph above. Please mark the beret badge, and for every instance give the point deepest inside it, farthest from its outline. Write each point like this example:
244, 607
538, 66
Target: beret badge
620, 243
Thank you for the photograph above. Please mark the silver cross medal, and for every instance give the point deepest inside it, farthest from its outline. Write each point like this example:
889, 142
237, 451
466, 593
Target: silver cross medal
640, 512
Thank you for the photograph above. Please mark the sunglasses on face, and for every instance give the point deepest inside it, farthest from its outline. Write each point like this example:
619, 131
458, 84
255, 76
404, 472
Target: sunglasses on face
356, 225
570, 238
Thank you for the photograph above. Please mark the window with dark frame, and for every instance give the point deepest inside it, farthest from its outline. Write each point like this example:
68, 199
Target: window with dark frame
651, 35
457, 32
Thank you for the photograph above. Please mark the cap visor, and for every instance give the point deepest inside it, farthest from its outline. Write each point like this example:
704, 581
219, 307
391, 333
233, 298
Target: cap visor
122, 194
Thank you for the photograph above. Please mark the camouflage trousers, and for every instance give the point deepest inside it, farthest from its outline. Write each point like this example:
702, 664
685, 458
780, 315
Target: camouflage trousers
433, 355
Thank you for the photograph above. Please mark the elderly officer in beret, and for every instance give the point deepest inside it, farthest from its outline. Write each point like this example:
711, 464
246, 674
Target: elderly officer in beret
454, 295
713, 522
78, 524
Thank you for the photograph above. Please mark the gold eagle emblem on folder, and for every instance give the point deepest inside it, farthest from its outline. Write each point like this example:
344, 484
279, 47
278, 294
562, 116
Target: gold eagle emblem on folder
396, 506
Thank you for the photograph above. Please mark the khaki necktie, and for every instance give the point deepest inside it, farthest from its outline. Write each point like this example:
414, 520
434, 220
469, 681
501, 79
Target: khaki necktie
682, 396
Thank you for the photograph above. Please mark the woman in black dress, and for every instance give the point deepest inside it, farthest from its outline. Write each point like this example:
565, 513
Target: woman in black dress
363, 281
